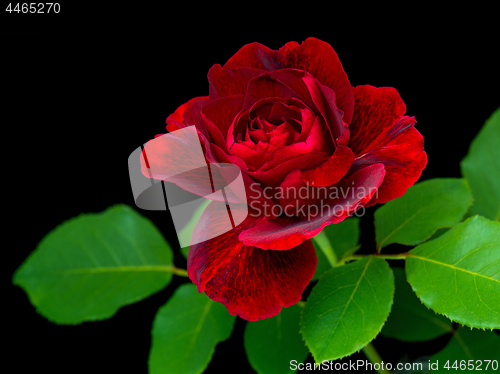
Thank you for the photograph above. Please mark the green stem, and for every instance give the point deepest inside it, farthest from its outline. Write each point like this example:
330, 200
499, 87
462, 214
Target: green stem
373, 356
498, 216
301, 303
343, 260
326, 247
398, 256
176, 271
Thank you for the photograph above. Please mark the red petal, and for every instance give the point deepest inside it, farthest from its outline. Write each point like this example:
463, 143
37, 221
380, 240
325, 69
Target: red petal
288, 47
228, 159
214, 132
324, 98
294, 193
344, 139
228, 82
293, 79
316, 141
319, 59
251, 283
331, 171
381, 134
192, 117
256, 56
377, 110
174, 121
223, 111
273, 173
265, 86
403, 157
288, 232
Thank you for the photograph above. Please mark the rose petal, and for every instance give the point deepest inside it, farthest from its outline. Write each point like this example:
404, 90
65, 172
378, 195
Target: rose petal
258, 154
331, 171
293, 79
222, 111
377, 110
256, 56
381, 134
324, 99
192, 117
280, 110
228, 159
273, 173
404, 158
344, 139
175, 121
320, 60
251, 283
228, 82
265, 86
287, 232
316, 141
294, 193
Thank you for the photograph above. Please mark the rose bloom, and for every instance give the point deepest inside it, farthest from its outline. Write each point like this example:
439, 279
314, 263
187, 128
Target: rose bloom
290, 120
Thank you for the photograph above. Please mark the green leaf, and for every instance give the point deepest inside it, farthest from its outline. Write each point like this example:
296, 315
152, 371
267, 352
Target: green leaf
481, 167
424, 208
467, 344
440, 232
91, 265
347, 308
272, 343
185, 332
410, 320
341, 239
458, 274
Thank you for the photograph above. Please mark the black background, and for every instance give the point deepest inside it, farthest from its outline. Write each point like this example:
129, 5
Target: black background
81, 92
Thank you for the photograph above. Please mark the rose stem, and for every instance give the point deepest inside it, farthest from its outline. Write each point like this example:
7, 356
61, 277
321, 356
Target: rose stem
176, 271
373, 356
326, 247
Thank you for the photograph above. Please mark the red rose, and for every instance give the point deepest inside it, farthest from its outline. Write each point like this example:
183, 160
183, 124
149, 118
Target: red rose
290, 120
